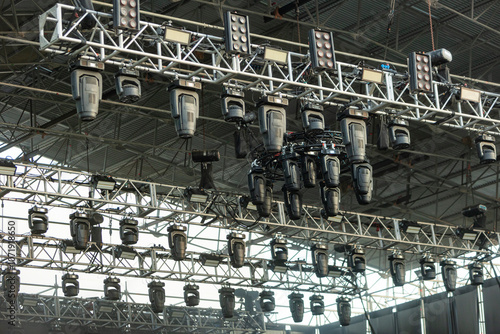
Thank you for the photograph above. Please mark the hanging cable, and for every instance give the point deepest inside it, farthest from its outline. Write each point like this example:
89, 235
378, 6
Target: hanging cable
430, 21
390, 20
297, 11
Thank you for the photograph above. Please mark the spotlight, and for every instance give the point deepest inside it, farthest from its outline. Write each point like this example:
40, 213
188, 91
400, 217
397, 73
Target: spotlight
466, 234
70, 285
276, 55
420, 72
353, 127
236, 249
468, 94
226, 300
357, 260
397, 267
191, 294
293, 203
279, 253
126, 14
128, 86
291, 171
103, 182
440, 57
449, 272
95, 218
112, 288
124, 252
210, 260
317, 305
321, 50
369, 75
195, 195
308, 167
237, 33
129, 232
410, 226
38, 220
11, 283
68, 246
344, 310
320, 259
313, 120
265, 209
330, 197
399, 134
330, 166
272, 122
363, 182
86, 84
157, 296
257, 184
427, 268
296, 303
486, 149
476, 273
7, 167
177, 241
177, 36
80, 229
184, 102
233, 105
267, 301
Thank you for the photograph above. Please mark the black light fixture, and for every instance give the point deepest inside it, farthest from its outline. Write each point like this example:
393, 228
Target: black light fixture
296, 303
291, 171
476, 273
95, 220
177, 241
293, 203
357, 259
486, 149
330, 197
37, 220
420, 72
397, 268
317, 304
191, 294
449, 273
184, 103
127, 84
236, 249
205, 158
279, 253
210, 260
319, 253
353, 127
330, 166
126, 14
478, 213
86, 87
362, 179
70, 285
344, 310
440, 57
409, 226
427, 267
308, 167
196, 195
11, 283
313, 120
112, 288
257, 184
466, 234
103, 306
226, 300
399, 134
129, 231
103, 182
80, 229
125, 252
265, 209
233, 105
7, 167
272, 121
267, 301
321, 50
237, 33
68, 247
157, 296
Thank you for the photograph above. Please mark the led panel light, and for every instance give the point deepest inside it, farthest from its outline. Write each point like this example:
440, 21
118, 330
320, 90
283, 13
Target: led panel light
321, 50
124, 252
466, 234
374, 76
195, 195
7, 167
471, 95
103, 182
410, 226
68, 247
276, 55
237, 33
420, 70
126, 14
177, 36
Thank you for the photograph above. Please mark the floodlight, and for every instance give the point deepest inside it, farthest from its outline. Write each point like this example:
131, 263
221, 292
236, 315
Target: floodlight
86, 84
265, 209
38, 220
279, 251
317, 304
103, 182
320, 259
128, 86
466, 234
293, 203
449, 272
272, 122
112, 288
427, 268
330, 167
344, 310
397, 267
176, 312
410, 226
296, 303
68, 246
124, 252
357, 260
233, 105
177, 241
399, 134
157, 296
191, 294
291, 171
210, 260
226, 300
308, 168
7, 167
313, 120
362, 179
420, 72
126, 14
267, 301
276, 55
28, 300
476, 273
70, 285
321, 50
486, 149
369, 75
353, 127
195, 195
177, 36
440, 57
474, 210
236, 249
237, 33
129, 231
468, 94
103, 306
80, 229
257, 184
11, 283
330, 197
184, 104
334, 271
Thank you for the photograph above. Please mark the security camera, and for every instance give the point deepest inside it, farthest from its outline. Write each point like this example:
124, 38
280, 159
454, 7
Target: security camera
86, 87
184, 102
128, 86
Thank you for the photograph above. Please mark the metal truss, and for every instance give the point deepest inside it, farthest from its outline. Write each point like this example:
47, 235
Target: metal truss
204, 59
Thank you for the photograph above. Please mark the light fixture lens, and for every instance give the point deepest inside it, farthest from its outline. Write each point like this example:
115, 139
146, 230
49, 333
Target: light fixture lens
177, 36
278, 56
370, 75
471, 95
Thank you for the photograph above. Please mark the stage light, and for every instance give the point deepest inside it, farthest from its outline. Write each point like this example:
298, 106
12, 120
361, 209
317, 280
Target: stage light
334, 271
126, 14
157, 296
449, 273
233, 105
103, 306
191, 294
177, 36
279, 253
80, 229
265, 209
176, 312
440, 57
28, 300
226, 300
257, 184
308, 168
293, 203
330, 197
199, 156
486, 149
272, 122
103, 182
474, 210
344, 310
68, 246
410, 226
468, 94
397, 267
195, 195
11, 283
7, 167
353, 127
37, 220
330, 166
466, 234
237, 33
427, 268
184, 104
399, 134
369, 75
177, 241
420, 72
321, 50
86, 87
362, 181
112, 288
236, 249
128, 86
296, 303
276, 55
70, 285
124, 252
357, 260
313, 120
95, 218
267, 301
291, 171
317, 304
320, 259
476, 273
210, 260
129, 231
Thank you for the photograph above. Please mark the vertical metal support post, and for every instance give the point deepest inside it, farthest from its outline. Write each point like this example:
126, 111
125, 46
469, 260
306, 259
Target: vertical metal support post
480, 301
422, 306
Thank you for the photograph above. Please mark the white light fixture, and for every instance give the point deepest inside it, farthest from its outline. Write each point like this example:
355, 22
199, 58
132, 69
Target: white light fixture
7, 167
374, 76
210, 260
124, 252
177, 36
471, 95
466, 234
68, 247
276, 55
410, 227
103, 182
195, 195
